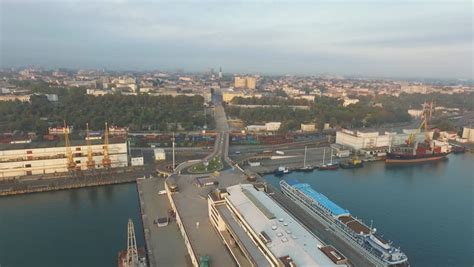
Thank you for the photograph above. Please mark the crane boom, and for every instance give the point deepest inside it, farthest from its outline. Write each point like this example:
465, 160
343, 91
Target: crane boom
106, 159
71, 165
132, 252
90, 157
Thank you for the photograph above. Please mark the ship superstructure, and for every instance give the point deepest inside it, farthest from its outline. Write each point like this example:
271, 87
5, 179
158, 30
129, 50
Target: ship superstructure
353, 231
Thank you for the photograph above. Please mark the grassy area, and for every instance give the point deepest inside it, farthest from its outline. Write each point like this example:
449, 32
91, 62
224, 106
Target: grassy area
213, 165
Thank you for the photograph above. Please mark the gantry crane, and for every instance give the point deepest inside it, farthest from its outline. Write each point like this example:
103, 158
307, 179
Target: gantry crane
106, 162
427, 114
71, 165
90, 156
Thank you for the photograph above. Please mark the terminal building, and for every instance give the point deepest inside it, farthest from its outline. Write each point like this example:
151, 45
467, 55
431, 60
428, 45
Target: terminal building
18, 160
259, 232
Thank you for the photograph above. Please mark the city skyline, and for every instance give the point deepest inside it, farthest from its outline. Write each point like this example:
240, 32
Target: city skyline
423, 39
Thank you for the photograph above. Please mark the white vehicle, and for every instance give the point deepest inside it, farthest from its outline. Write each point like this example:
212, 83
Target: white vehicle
162, 192
278, 152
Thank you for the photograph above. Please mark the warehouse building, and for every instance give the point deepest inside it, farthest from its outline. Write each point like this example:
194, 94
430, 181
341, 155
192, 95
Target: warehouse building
258, 232
358, 140
18, 160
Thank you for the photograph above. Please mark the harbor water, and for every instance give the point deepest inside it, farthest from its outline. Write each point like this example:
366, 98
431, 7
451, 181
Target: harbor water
426, 210
80, 227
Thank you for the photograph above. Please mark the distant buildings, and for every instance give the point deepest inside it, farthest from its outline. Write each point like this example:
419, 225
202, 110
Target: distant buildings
468, 134
349, 101
268, 127
415, 113
308, 127
228, 95
246, 82
22, 98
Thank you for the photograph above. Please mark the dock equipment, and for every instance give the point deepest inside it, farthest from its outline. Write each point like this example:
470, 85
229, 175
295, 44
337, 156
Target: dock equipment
71, 165
106, 162
90, 158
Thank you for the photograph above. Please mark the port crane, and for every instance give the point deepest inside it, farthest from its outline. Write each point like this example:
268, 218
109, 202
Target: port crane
71, 165
90, 156
106, 162
426, 116
132, 258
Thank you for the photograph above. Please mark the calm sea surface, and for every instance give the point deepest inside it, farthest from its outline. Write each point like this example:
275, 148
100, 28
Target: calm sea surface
427, 210
81, 227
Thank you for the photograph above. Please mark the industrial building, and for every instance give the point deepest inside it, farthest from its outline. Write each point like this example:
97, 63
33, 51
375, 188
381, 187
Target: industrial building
468, 134
269, 127
259, 232
358, 140
38, 159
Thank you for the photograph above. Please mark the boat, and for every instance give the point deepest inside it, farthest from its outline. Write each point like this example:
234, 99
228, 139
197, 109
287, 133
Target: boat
352, 164
457, 149
328, 166
419, 152
305, 168
352, 231
282, 171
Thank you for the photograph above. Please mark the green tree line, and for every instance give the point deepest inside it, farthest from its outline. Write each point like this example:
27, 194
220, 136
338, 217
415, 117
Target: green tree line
141, 112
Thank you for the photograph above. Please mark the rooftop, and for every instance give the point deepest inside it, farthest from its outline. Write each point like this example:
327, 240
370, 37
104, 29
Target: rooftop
322, 199
48, 144
288, 237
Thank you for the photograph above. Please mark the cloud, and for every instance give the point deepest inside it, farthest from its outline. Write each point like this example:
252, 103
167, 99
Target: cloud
268, 36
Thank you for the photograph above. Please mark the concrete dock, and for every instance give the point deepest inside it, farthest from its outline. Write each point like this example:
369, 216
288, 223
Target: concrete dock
164, 245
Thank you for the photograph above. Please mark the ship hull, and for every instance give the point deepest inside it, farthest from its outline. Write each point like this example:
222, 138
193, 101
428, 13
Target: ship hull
402, 159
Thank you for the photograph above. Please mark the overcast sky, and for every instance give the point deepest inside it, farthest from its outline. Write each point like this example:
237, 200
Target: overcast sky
376, 38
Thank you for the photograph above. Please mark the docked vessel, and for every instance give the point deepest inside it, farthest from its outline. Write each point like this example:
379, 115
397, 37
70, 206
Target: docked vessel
352, 164
331, 166
352, 231
282, 171
419, 152
305, 168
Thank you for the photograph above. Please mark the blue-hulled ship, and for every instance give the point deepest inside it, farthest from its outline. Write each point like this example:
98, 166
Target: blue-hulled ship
353, 231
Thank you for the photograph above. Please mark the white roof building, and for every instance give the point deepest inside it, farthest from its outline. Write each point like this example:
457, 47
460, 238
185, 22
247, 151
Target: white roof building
264, 231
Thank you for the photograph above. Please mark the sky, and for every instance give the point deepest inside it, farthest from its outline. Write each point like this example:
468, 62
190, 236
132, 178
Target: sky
389, 38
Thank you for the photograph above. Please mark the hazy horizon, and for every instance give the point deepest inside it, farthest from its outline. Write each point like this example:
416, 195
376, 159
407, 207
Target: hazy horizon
425, 39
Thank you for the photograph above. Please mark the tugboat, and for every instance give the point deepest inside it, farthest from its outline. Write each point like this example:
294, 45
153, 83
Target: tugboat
282, 171
353, 164
305, 168
329, 166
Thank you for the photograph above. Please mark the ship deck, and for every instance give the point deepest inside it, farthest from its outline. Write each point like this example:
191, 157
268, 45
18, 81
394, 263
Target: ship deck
354, 224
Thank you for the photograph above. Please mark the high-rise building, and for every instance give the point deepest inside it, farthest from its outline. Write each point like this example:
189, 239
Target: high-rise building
251, 82
220, 72
245, 82
239, 82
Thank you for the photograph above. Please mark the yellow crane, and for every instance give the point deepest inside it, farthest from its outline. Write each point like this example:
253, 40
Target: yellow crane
106, 159
71, 165
427, 113
90, 156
